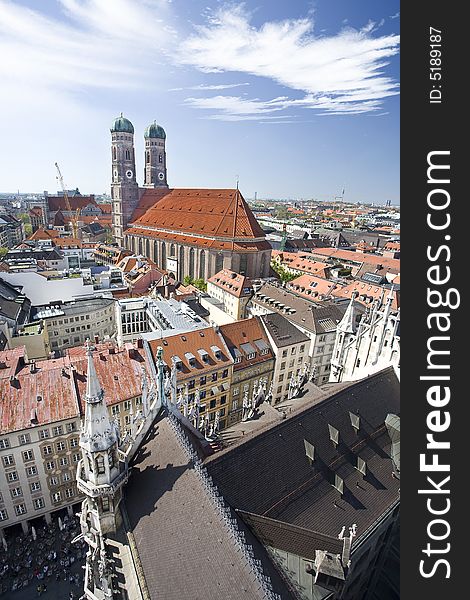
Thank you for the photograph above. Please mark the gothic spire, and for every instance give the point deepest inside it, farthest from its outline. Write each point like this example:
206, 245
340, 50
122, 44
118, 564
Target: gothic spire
348, 322
98, 433
94, 392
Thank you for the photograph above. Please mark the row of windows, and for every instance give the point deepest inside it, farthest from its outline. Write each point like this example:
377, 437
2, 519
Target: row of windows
38, 503
62, 462
293, 351
60, 446
17, 492
25, 438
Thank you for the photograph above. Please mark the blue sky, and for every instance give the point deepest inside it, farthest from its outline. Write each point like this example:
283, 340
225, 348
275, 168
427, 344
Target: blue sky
297, 99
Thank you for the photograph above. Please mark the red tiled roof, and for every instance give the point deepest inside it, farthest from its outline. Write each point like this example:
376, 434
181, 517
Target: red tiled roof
56, 203
44, 234
333, 253
246, 331
215, 213
367, 293
233, 283
310, 286
192, 341
60, 388
36, 211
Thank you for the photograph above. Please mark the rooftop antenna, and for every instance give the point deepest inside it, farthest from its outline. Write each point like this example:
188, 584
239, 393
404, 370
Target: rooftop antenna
238, 180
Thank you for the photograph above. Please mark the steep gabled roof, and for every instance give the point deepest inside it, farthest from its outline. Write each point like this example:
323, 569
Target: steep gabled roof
215, 213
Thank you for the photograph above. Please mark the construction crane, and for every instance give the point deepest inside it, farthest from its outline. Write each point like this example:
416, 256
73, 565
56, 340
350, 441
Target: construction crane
73, 216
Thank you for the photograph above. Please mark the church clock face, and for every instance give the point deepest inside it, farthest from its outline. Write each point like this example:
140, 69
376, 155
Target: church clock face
161, 176
129, 174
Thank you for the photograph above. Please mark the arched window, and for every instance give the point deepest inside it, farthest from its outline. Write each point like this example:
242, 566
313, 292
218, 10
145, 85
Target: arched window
219, 262
191, 263
140, 246
114, 153
160, 158
243, 264
128, 155
202, 264
147, 253
100, 468
181, 265
147, 154
263, 266
172, 250
163, 255
155, 251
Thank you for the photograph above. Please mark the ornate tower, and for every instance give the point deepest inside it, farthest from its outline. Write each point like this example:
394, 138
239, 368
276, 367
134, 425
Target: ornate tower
155, 157
101, 472
345, 332
124, 188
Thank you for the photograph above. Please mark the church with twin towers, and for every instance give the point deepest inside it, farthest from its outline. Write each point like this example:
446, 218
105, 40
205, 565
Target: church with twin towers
193, 232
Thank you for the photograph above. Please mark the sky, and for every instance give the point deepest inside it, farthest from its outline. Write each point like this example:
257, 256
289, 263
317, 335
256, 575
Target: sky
292, 98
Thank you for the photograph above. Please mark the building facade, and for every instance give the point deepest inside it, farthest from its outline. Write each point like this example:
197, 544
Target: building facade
317, 320
290, 347
232, 290
367, 345
70, 324
43, 403
253, 365
203, 368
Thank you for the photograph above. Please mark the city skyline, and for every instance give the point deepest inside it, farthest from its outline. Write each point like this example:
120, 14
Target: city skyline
302, 103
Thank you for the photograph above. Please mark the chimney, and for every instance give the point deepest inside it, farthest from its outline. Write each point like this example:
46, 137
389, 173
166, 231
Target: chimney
96, 339
140, 343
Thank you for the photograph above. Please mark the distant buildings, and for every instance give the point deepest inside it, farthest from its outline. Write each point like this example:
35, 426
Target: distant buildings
11, 231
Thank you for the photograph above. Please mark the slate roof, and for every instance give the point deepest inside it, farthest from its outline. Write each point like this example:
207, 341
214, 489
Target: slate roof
184, 547
282, 332
299, 310
269, 474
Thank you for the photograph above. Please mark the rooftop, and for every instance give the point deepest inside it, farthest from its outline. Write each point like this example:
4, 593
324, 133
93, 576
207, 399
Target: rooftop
184, 547
269, 475
247, 338
54, 389
179, 345
282, 332
306, 314
233, 283
210, 213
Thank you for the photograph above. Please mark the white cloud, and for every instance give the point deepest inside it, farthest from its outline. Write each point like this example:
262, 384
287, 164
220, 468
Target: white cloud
204, 87
343, 73
94, 46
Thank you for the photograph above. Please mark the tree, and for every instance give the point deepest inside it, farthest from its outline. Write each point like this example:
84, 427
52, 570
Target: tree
3, 252
284, 275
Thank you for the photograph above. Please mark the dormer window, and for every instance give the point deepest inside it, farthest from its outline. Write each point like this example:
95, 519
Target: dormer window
217, 352
204, 355
178, 362
190, 358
